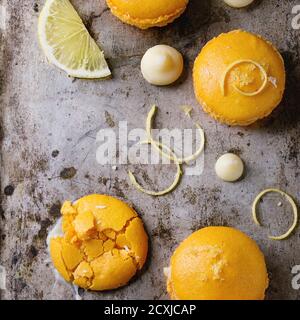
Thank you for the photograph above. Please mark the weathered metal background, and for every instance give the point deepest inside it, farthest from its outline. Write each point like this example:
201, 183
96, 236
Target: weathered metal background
48, 129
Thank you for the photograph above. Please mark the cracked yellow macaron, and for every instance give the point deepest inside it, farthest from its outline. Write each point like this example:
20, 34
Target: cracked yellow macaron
102, 243
239, 78
217, 263
147, 13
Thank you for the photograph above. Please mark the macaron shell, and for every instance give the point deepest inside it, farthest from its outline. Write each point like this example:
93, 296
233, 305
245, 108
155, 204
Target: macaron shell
56, 255
103, 245
109, 212
218, 263
111, 270
147, 13
137, 240
234, 108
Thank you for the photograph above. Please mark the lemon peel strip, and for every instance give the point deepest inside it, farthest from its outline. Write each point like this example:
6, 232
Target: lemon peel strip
187, 110
169, 156
248, 94
149, 121
171, 187
290, 200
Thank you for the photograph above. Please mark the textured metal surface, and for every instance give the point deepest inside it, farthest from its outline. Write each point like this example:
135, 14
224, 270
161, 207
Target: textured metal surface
48, 129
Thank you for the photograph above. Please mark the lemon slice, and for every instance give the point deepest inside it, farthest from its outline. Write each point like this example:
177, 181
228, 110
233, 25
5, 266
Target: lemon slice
67, 44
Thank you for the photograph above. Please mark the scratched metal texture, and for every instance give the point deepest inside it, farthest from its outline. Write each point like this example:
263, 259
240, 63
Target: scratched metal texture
49, 124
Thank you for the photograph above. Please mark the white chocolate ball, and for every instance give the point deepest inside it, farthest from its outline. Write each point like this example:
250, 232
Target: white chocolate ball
162, 65
238, 3
229, 167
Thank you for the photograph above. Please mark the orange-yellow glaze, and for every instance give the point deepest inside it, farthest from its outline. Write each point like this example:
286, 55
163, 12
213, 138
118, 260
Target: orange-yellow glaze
218, 263
147, 13
232, 107
104, 243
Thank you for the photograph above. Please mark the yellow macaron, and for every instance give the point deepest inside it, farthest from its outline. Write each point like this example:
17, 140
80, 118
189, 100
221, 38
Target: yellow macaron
103, 243
239, 78
217, 263
147, 13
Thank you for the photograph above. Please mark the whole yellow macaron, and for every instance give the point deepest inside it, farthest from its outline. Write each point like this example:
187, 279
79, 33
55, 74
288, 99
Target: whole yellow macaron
147, 13
217, 263
239, 78
102, 243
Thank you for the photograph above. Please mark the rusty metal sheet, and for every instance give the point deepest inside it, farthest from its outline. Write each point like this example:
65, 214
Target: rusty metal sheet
49, 124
